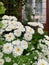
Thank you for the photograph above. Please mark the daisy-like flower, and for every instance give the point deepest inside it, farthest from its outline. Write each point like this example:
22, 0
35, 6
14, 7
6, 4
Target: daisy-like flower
1, 31
21, 28
46, 42
29, 29
9, 37
17, 51
12, 18
27, 36
5, 17
1, 54
1, 61
40, 25
15, 64
12, 22
24, 44
42, 62
9, 28
33, 24
7, 48
4, 22
7, 59
18, 24
4, 26
17, 33
46, 36
40, 31
16, 42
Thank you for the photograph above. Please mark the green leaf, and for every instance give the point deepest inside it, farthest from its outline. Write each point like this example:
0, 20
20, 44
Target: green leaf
1, 24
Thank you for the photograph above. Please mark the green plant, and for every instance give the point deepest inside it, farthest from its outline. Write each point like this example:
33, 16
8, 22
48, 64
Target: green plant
2, 8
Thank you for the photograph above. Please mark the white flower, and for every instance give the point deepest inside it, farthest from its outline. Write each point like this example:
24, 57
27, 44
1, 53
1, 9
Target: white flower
17, 33
4, 26
1, 31
8, 59
12, 18
1, 54
7, 48
42, 62
27, 36
46, 36
16, 42
47, 42
17, 51
40, 25
40, 31
12, 22
29, 29
1, 61
33, 23
18, 24
15, 64
24, 44
21, 28
5, 17
4, 22
9, 28
9, 37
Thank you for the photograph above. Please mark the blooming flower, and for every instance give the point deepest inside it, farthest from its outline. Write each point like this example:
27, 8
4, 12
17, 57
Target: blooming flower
17, 51
1, 31
8, 59
29, 29
27, 36
40, 31
33, 24
1, 62
4, 22
4, 26
46, 42
9, 37
24, 44
17, 33
46, 36
1, 54
42, 62
12, 18
21, 28
9, 28
12, 23
5, 17
7, 48
40, 25
15, 64
16, 42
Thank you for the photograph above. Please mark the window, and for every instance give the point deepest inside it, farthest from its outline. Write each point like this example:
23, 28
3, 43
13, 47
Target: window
38, 7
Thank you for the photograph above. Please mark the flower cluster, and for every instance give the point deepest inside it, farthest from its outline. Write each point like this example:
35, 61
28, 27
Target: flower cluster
23, 45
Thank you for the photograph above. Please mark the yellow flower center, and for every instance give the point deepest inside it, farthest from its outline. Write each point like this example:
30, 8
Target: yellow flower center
17, 50
11, 22
17, 32
7, 47
42, 64
24, 43
30, 30
9, 36
28, 35
0, 62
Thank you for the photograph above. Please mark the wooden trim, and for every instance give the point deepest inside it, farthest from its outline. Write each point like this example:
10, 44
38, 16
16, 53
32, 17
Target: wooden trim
47, 16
